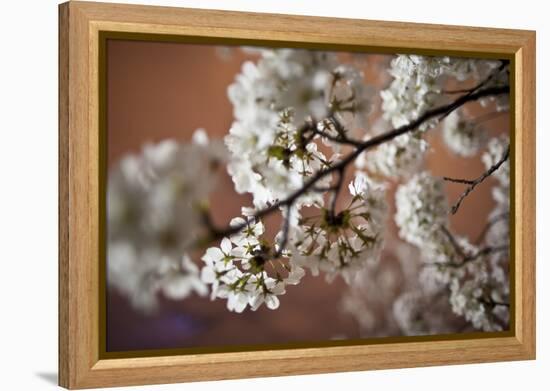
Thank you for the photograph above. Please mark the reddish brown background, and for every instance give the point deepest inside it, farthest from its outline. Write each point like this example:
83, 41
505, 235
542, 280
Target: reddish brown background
167, 90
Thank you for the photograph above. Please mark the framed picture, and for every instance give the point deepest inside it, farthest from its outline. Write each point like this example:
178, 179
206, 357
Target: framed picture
247, 195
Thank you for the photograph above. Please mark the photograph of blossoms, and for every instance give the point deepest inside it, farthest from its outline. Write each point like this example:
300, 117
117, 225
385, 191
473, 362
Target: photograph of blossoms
270, 196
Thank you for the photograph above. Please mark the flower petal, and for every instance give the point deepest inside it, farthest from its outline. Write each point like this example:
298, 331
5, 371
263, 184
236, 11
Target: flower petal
272, 302
189, 265
226, 246
208, 274
237, 221
213, 255
238, 252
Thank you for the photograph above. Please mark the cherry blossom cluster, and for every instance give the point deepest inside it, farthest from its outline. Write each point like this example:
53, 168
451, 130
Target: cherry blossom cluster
419, 81
418, 85
422, 209
343, 243
248, 269
153, 210
389, 298
463, 136
402, 157
239, 269
274, 100
476, 277
302, 124
272, 168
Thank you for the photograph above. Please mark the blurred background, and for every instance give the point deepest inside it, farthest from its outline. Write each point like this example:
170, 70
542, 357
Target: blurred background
160, 91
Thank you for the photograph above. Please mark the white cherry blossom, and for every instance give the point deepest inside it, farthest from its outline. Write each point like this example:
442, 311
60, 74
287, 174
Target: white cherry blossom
422, 208
238, 270
153, 209
463, 137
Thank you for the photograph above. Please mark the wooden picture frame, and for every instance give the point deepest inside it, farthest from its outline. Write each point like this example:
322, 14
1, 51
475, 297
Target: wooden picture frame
81, 25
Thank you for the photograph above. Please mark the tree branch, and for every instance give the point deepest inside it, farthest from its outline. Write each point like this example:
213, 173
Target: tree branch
473, 183
453, 241
362, 147
482, 84
486, 251
458, 180
493, 303
338, 139
456, 92
470, 258
286, 228
342, 137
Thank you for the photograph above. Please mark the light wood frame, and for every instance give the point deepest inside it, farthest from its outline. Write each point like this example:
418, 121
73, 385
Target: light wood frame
80, 362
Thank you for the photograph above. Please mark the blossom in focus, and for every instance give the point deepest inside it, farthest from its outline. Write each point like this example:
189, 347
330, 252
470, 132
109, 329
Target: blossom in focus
343, 243
238, 270
275, 102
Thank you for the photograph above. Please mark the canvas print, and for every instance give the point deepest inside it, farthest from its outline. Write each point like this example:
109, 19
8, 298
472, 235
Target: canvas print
261, 196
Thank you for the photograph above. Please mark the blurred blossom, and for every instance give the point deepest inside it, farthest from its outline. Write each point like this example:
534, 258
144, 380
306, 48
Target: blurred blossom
496, 149
153, 204
421, 208
463, 137
401, 157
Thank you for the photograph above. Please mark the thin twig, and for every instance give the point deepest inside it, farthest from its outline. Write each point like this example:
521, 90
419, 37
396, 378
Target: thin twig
338, 139
453, 241
323, 189
456, 92
486, 251
493, 303
470, 258
342, 137
478, 180
482, 84
286, 228
458, 180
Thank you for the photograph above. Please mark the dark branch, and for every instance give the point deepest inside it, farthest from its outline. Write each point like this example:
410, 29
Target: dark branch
362, 147
456, 92
384, 137
473, 183
486, 251
323, 189
478, 87
458, 180
492, 303
342, 137
338, 139
453, 241
470, 258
